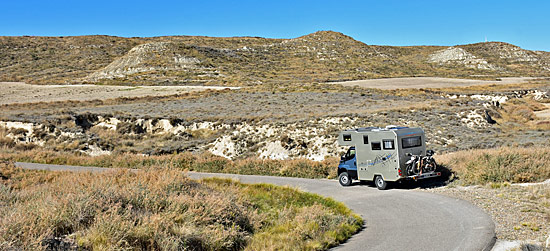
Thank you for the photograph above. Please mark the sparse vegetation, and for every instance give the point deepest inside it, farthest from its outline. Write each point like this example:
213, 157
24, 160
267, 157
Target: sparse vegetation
499, 165
162, 209
158, 207
322, 56
184, 161
519, 212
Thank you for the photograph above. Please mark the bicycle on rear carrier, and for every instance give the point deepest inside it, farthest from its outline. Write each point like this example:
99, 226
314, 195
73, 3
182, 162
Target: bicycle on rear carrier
419, 165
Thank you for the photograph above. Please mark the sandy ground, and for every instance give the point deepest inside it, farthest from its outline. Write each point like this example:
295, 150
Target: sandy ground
544, 114
17, 92
426, 82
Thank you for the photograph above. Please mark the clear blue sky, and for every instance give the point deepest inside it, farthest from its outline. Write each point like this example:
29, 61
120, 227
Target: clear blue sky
523, 23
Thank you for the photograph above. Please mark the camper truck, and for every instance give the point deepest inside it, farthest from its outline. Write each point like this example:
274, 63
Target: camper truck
385, 155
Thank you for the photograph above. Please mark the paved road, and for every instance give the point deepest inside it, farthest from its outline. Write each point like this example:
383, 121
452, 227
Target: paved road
394, 219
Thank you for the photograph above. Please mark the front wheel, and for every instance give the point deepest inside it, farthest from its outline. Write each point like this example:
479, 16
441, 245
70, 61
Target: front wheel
381, 184
344, 179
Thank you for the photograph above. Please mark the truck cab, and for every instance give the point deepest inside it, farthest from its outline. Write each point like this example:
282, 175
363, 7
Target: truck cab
348, 163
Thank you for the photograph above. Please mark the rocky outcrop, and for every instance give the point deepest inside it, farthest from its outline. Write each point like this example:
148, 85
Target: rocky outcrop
148, 57
459, 56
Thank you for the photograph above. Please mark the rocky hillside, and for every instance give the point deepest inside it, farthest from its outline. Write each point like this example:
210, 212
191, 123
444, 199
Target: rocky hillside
318, 57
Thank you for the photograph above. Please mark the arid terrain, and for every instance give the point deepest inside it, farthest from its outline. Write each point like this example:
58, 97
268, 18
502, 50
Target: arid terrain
274, 107
323, 56
428, 82
13, 92
287, 122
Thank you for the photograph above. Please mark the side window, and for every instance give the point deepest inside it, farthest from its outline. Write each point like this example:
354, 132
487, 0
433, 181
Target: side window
388, 144
350, 154
365, 139
347, 137
375, 146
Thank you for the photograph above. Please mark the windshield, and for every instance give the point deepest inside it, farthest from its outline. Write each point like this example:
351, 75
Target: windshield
350, 154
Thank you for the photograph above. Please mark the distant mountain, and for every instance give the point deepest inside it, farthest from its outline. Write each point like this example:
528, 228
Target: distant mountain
318, 57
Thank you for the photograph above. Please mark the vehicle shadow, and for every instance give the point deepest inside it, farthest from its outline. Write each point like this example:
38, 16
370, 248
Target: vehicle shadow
447, 176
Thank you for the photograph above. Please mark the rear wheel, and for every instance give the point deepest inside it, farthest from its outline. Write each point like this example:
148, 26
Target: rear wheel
381, 184
344, 179
431, 165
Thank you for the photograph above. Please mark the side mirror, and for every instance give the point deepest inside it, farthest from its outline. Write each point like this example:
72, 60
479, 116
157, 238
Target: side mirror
341, 158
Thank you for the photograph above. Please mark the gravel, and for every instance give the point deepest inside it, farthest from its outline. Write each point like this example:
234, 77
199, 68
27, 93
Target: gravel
520, 213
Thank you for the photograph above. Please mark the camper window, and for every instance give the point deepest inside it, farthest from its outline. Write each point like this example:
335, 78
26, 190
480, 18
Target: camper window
365, 139
388, 144
411, 142
376, 146
347, 137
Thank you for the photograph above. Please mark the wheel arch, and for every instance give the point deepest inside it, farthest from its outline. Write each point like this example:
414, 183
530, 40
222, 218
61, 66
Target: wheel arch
351, 172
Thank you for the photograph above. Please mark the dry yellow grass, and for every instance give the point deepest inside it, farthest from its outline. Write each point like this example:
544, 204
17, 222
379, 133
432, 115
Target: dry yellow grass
499, 165
206, 162
162, 209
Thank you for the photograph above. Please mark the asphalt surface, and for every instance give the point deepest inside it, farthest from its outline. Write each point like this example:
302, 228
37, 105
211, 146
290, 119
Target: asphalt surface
396, 219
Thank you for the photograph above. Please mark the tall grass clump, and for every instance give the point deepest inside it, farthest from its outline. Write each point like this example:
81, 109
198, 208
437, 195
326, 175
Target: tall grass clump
160, 209
504, 164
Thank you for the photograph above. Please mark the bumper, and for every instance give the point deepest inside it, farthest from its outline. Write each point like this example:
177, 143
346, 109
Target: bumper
425, 176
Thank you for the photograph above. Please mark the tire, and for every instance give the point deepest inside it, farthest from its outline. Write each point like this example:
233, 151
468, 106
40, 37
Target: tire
430, 162
381, 184
344, 179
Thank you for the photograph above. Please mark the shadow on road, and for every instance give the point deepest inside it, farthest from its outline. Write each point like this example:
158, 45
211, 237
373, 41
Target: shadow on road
447, 176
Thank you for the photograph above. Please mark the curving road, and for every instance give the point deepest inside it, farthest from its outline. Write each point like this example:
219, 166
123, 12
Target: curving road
394, 219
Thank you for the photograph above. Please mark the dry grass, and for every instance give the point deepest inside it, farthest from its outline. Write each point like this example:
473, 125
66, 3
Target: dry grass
499, 165
162, 209
521, 110
183, 161
318, 57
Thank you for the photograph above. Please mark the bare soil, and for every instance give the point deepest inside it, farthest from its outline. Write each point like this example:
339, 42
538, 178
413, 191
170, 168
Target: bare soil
544, 114
520, 211
427, 82
19, 92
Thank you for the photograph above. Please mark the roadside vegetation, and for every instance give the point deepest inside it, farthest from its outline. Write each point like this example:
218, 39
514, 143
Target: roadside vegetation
470, 167
505, 183
162, 209
501, 165
206, 162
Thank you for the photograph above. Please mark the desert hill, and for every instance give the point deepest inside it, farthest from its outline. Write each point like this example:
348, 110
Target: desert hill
318, 57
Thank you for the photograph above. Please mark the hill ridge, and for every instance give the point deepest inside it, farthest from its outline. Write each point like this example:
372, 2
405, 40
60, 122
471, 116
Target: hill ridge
317, 57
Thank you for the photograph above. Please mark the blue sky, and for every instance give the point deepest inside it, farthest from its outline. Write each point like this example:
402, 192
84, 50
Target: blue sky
523, 23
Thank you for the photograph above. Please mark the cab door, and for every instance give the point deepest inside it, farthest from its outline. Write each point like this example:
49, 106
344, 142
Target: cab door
349, 162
